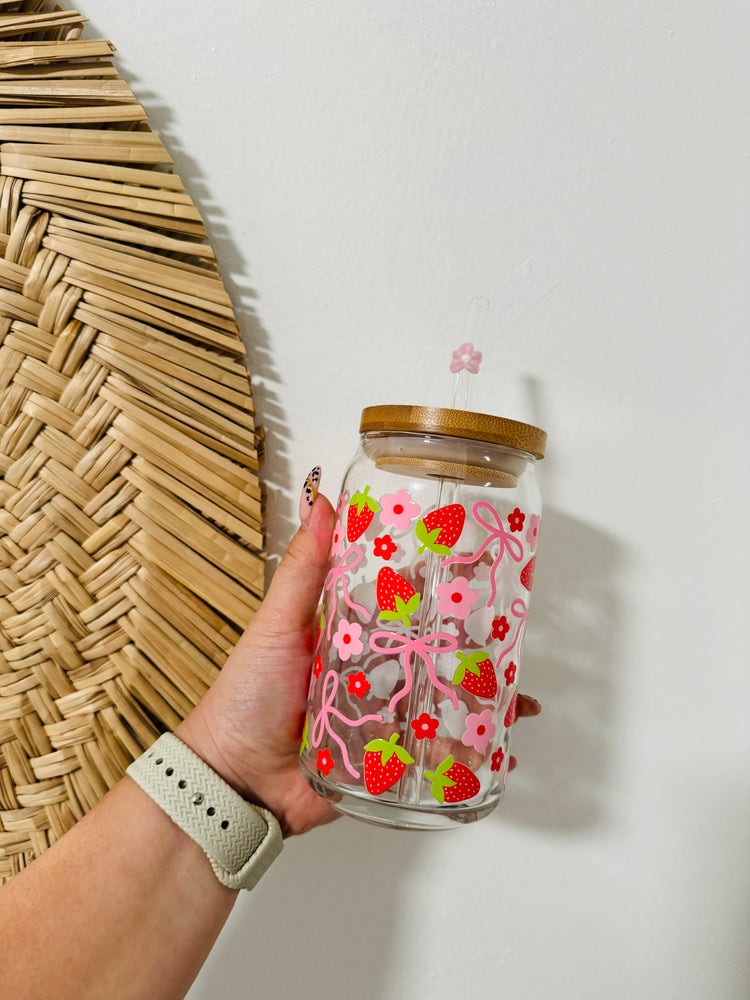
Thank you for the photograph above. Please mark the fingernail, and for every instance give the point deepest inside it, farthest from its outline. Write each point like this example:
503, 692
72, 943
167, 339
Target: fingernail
307, 498
512, 763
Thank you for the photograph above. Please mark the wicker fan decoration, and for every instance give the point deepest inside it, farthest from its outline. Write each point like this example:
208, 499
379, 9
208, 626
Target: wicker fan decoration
130, 506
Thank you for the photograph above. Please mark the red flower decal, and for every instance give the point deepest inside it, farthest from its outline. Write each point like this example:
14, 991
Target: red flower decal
318, 668
516, 519
500, 627
325, 762
510, 673
358, 684
425, 727
384, 547
497, 759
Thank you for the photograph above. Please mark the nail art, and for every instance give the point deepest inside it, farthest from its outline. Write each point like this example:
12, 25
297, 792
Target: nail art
309, 493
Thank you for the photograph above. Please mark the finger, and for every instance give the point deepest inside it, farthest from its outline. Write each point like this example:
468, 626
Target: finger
512, 763
289, 605
526, 706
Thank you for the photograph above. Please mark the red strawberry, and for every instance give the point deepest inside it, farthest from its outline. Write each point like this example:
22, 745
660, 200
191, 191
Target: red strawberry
510, 715
439, 530
476, 674
452, 782
396, 597
527, 573
362, 509
384, 764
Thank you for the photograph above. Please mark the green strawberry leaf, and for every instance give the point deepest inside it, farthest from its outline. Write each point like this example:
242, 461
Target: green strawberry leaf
429, 539
363, 500
446, 765
387, 749
304, 744
470, 663
404, 609
439, 781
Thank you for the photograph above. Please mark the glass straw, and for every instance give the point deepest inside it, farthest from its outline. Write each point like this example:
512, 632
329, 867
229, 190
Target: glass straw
465, 364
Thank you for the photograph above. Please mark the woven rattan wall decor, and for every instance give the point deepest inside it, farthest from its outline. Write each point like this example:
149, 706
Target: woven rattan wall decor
130, 507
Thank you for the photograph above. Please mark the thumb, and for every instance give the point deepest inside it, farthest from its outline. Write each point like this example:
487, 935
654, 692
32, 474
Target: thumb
293, 595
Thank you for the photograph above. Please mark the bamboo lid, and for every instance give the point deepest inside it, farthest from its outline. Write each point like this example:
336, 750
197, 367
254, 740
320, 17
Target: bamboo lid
455, 423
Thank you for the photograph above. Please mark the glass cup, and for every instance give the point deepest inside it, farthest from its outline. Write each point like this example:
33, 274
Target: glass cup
423, 617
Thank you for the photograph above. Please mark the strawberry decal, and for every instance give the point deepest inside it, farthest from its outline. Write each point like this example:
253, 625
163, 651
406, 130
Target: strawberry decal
451, 782
439, 530
527, 573
476, 674
396, 597
362, 509
385, 762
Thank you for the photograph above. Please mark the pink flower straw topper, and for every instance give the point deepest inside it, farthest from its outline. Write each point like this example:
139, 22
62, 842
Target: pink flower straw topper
466, 358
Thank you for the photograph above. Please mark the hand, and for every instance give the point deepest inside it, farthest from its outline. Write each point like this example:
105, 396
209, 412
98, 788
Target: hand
248, 726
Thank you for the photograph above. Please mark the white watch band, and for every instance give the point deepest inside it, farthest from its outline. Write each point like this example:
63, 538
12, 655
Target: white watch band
240, 840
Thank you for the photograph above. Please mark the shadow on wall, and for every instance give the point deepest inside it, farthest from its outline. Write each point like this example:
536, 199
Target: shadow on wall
569, 664
275, 473
267, 386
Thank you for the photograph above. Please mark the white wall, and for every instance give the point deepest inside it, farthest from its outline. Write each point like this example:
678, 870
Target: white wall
365, 169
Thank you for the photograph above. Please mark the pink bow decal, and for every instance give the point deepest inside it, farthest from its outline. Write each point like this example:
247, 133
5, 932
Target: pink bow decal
424, 646
519, 610
497, 532
322, 723
336, 575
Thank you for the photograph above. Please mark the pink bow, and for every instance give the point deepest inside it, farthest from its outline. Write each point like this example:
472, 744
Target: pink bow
322, 724
496, 532
337, 574
424, 646
518, 610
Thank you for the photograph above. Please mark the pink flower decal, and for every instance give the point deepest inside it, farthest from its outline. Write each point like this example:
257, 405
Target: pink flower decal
398, 509
456, 597
500, 627
358, 684
510, 673
497, 759
347, 639
337, 542
532, 532
479, 730
516, 519
466, 358
318, 668
384, 547
325, 761
425, 727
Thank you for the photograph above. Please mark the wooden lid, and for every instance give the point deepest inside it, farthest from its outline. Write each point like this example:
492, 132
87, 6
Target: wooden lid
455, 423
